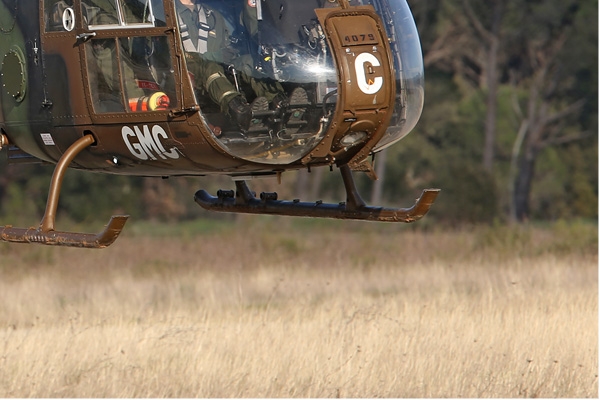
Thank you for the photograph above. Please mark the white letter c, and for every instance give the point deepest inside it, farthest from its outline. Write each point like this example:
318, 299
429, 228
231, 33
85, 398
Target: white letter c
371, 86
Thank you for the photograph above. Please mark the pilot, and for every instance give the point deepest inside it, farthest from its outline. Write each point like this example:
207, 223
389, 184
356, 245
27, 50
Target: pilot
262, 85
266, 87
207, 74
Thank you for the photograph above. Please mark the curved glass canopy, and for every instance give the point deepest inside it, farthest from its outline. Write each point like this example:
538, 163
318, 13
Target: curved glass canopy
274, 56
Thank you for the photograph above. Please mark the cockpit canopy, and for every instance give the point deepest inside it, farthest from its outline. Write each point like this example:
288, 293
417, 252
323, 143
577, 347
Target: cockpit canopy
276, 54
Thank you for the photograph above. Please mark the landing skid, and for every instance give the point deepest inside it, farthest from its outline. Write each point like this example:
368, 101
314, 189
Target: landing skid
244, 201
45, 233
71, 239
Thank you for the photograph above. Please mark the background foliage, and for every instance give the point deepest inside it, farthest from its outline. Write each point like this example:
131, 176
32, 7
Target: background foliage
508, 132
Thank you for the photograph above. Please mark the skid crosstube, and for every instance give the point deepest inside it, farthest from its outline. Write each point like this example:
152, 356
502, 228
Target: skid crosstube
45, 232
244, 201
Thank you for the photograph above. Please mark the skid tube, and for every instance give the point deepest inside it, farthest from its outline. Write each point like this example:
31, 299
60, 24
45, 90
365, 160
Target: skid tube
45, 232
244, 201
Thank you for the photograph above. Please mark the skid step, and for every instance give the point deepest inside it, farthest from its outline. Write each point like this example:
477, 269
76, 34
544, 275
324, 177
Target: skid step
244, 201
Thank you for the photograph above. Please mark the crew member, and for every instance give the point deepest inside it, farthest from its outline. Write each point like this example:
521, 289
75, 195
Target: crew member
208, 75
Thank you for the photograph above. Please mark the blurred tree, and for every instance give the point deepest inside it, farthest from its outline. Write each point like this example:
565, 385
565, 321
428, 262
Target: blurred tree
527, 63
92, 197
23, 192
469, 43
550, 112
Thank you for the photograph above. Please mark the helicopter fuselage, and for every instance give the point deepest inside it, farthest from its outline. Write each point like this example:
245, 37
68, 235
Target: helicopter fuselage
197, 87
340, 57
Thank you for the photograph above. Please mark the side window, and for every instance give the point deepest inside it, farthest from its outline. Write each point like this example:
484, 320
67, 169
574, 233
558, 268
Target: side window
103, 75
100, 12
59, 15
140, 11
130, 13
130, 74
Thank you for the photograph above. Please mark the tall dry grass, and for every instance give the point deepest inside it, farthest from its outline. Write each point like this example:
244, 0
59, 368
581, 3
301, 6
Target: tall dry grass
269, 309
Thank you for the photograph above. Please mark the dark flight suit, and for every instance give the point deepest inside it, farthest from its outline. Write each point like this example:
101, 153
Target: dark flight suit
203, 46
262, 86
209, 37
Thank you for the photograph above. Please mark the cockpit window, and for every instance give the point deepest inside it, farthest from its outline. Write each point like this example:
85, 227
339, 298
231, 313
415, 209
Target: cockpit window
106, 14
264, 85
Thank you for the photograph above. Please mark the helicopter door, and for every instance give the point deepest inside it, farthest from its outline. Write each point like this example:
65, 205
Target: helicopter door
126, 52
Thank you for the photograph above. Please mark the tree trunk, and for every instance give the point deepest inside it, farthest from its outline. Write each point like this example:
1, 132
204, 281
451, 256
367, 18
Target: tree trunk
316, 179
523, 187
302, 180
492, 88
491, 108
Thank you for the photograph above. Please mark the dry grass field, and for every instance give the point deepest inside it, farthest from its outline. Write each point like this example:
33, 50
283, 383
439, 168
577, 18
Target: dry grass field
272, 308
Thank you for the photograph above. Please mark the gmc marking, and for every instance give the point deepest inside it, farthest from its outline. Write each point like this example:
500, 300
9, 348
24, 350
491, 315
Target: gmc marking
146, 144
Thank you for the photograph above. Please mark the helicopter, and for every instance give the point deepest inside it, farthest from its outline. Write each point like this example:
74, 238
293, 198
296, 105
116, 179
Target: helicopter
120, 87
